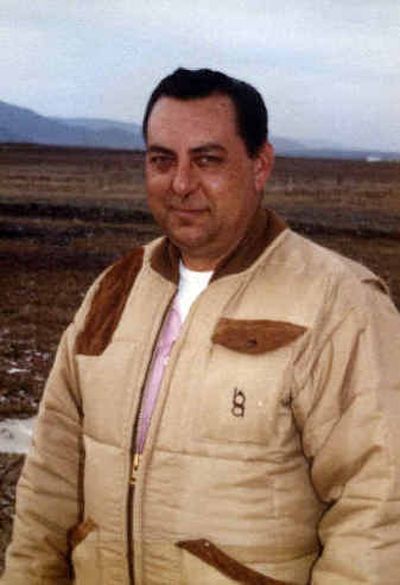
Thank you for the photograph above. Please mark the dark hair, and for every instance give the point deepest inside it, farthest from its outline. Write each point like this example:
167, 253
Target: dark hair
187, 84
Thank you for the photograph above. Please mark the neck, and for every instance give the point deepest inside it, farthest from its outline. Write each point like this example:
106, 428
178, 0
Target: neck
199, 264
263, 230
194, 260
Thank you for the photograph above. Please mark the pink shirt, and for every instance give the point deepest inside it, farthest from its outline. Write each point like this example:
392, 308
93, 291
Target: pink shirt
168, 335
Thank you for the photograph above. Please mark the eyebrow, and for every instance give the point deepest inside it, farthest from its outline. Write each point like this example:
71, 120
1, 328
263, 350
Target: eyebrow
201, 149
207, 147
157, 148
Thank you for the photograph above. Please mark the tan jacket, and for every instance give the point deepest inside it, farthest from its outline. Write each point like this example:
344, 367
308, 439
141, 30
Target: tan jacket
274, 446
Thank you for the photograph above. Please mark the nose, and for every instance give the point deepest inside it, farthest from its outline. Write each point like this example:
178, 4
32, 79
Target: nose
184, 180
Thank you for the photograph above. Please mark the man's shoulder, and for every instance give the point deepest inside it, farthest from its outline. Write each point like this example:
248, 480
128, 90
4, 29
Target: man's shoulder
123, 271
104, 303
132, 260
299, 278
304, 258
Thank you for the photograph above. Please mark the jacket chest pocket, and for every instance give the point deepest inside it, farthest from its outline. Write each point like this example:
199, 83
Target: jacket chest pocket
246, 390
108, 385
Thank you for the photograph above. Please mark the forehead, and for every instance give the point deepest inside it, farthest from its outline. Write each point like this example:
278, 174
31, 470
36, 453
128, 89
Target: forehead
201, 118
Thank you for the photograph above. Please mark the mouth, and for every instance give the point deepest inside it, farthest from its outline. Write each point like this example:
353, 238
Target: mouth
188, 212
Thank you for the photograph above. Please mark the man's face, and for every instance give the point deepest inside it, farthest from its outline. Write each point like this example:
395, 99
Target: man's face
203, 188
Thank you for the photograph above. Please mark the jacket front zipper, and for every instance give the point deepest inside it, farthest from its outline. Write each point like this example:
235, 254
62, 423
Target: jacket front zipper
135, 462
131, 494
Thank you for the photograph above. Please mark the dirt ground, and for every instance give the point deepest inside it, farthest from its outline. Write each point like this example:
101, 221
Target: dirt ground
65, 215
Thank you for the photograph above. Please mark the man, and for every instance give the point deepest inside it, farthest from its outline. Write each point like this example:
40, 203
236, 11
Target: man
224, 407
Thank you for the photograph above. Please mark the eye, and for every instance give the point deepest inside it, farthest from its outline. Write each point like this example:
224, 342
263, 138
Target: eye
160, 162
208, 160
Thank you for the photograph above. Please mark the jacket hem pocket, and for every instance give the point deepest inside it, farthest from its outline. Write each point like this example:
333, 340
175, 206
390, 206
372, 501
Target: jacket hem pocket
78, 533
212, 555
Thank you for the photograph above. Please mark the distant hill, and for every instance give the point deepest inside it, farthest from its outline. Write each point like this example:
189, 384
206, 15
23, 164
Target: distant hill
23, 125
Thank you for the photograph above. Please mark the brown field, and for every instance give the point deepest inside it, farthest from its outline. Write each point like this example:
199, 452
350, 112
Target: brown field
67, 213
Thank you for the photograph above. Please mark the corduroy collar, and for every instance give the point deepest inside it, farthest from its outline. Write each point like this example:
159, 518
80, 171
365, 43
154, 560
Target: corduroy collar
262, 230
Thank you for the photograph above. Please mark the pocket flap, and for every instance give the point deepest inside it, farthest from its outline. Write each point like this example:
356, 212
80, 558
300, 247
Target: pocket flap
255, 336
78, 533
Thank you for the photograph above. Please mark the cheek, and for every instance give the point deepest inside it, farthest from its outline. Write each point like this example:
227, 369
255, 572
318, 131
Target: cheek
155, 189
156, 204
218, 191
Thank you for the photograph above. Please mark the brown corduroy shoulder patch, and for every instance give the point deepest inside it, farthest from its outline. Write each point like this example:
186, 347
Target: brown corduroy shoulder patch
215, 557
108, 303
255, 336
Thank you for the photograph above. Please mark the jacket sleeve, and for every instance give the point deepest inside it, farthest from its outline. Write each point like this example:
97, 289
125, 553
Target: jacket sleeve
48, 498
347, 405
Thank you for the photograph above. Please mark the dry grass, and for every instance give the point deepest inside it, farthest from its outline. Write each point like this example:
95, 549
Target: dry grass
65, 214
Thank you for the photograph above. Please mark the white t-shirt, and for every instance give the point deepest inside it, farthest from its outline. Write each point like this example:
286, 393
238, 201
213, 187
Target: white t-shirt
191, 284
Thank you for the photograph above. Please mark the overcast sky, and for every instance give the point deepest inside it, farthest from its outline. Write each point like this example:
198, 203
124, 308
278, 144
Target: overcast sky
328, 69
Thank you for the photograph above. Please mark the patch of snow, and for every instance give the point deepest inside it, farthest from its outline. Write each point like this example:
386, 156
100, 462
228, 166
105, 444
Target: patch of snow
16, 435
16, 370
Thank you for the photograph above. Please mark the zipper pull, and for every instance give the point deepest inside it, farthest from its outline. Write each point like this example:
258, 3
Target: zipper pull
135, 467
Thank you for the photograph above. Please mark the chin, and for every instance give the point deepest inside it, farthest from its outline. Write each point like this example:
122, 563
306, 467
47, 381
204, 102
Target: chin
187, 238
186, 232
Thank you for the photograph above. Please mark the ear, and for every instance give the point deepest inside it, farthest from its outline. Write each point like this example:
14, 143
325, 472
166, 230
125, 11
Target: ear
263, 165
